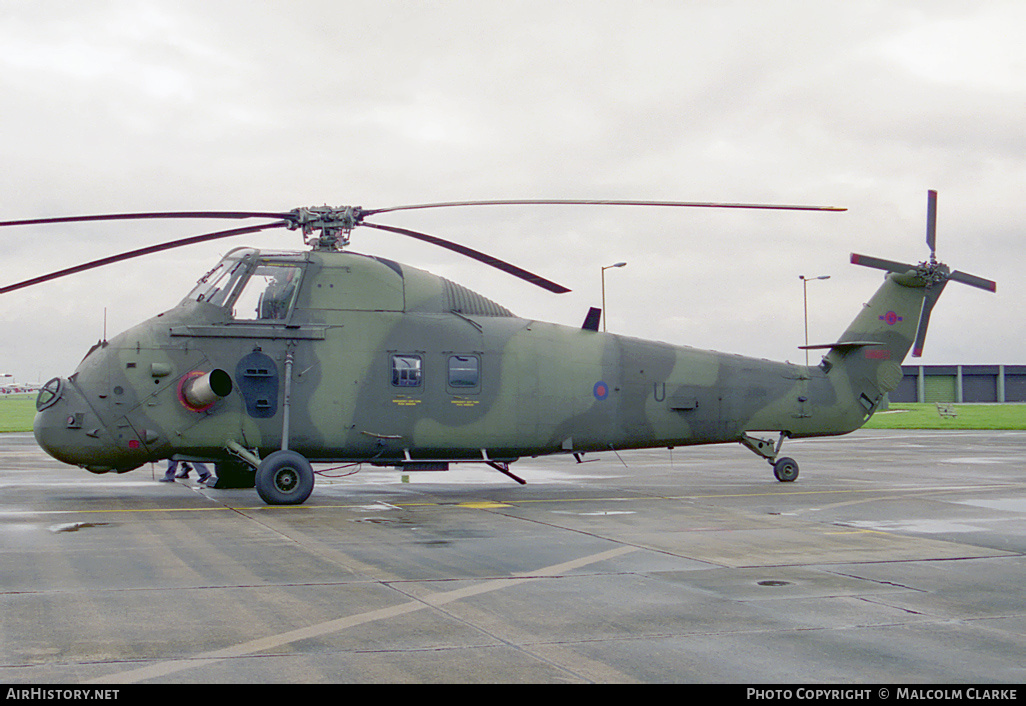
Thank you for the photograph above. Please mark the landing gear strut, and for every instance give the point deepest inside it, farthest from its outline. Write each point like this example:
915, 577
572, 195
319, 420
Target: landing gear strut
784, 468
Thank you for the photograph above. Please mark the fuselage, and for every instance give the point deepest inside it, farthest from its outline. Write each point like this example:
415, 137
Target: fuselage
344, 357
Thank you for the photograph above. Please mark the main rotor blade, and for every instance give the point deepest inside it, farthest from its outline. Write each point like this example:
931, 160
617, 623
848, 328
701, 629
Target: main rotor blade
480, 256
974, 281
590, 202
140, 252
139, 216
881, 264
931, 221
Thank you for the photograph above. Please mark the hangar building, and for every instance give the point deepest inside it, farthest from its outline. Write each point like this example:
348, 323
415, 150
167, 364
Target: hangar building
961, 383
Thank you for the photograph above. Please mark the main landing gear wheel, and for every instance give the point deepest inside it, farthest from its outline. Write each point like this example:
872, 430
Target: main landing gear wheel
284, 478
785, 469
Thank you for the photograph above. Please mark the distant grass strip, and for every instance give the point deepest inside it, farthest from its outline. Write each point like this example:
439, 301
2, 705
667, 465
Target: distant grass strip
17, 412
969, 416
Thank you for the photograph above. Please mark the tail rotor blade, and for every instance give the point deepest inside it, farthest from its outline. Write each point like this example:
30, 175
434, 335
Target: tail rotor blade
881, 264
932, 295
931, 222
974, 281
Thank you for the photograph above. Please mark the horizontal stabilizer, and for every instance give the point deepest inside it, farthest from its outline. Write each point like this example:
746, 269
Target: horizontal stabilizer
591, 321
841, 345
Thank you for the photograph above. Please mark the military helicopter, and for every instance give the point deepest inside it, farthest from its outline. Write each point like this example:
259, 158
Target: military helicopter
277, 360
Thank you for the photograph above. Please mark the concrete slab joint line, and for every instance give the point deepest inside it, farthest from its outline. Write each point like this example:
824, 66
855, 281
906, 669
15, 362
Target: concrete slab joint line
162, 669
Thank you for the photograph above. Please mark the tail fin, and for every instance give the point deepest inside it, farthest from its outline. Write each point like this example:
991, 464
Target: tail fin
887, 325
870, 352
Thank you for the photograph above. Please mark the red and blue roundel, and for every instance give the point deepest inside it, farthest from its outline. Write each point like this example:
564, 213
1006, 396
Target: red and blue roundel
601, 390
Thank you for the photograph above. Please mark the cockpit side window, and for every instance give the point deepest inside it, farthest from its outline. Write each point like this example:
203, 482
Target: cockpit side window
268, 294
219, 283
217, 286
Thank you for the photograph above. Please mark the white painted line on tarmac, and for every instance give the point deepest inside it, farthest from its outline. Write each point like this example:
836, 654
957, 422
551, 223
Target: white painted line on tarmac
162, 669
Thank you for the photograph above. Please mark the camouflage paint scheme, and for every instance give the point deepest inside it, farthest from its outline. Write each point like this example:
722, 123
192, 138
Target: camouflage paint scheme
540, 388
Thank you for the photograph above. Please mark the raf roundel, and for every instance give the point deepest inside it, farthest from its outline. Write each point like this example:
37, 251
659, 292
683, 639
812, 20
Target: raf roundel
601, 390
891, 318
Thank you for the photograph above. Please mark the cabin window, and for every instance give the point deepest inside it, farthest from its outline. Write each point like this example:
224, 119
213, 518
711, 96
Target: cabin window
464, 371
268, 294
406, 370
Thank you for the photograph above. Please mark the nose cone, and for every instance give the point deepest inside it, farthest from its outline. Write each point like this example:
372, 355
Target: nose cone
71, 431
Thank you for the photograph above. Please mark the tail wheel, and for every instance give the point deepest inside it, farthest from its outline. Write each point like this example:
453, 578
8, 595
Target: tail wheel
284, 478
785, 469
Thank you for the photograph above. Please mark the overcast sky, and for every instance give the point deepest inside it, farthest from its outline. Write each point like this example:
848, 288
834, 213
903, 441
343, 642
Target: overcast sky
139, 106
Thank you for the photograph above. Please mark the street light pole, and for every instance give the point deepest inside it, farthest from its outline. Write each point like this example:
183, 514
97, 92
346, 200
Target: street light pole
619, 264
805, 300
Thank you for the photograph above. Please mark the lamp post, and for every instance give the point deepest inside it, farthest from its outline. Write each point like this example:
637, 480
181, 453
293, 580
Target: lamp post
805, 300
619, 264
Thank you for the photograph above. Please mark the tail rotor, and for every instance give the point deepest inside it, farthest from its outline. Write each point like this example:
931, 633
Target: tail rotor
931, 274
